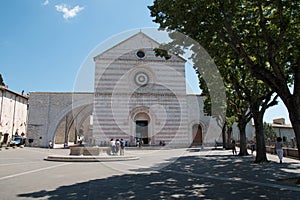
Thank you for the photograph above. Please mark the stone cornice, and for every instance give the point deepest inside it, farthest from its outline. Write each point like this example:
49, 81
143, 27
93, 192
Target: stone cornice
140, 61
140, 94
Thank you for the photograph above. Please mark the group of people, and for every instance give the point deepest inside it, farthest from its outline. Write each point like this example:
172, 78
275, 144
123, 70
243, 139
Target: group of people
162, 143
139, 142
117, 146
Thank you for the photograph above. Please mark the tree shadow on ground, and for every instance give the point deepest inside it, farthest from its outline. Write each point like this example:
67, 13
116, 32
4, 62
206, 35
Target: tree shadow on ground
190, 177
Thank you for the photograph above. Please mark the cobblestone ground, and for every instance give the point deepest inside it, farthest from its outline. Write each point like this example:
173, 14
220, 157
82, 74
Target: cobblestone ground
158, 174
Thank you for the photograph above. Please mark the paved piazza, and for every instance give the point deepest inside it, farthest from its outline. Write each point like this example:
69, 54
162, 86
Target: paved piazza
159, 174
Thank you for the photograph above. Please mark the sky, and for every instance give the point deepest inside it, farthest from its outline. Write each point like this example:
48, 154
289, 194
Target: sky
44, 43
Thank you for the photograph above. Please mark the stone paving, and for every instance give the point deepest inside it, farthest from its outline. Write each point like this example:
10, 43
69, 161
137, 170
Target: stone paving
158, 174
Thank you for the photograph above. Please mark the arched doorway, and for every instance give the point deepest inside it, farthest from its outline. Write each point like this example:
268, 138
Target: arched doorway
142, 127
197, 134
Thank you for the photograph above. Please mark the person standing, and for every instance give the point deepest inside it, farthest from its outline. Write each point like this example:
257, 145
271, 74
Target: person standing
233, 147
113, 146
122, 147
117, 146
279, 150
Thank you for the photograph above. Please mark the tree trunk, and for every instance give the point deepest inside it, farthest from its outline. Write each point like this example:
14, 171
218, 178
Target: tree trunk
229, 136
224, 135
292, 103
260, 138
243, 139
294, 113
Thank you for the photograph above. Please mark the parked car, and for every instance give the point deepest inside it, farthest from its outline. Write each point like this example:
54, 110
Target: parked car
17, 141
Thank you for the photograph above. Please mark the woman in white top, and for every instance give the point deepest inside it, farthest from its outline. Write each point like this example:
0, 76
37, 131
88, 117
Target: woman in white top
113, 146
279, 149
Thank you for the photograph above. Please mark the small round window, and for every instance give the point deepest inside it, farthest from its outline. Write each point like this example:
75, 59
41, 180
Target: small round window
140, 54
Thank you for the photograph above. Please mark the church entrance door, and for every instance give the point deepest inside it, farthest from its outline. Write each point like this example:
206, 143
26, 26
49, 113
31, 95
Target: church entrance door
197, 134
142, 131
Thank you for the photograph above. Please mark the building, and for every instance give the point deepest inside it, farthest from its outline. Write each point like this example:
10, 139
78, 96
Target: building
279, 126
13, 114
283, 130
137, 96
59, 117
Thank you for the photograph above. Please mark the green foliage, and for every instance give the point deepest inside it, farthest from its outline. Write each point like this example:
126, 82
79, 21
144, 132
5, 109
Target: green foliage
269, 132
246, 39
1, 81
264, 34
284, 138
231, 33
162, 53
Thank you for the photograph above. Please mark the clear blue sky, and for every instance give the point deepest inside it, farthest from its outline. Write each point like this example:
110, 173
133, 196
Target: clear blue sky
43, 43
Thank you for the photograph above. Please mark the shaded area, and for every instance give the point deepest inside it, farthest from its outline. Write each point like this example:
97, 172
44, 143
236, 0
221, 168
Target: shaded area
191, 177
295, 180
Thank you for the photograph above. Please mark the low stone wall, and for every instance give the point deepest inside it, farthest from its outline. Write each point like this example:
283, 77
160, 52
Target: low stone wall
89, 151
292, 152
287, 152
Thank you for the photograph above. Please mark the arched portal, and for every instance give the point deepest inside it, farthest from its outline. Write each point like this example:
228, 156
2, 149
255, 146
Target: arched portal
74, 127
197, 134
142, 121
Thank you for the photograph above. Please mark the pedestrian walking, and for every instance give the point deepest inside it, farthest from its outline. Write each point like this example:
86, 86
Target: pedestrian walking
279, 150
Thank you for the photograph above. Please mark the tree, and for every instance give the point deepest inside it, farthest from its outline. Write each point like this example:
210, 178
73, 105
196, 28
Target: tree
230, 119
237, 107
258, 106
221, 101
1, 81
257, 95
212, 84
264, 34
240, 108
246, 97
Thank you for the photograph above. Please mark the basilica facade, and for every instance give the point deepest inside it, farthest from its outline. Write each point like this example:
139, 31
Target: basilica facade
138, 96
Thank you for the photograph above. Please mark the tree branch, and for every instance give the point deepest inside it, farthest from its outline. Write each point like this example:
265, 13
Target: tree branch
271, 46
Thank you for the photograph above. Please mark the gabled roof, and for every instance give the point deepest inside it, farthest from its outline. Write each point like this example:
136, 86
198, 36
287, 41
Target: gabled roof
139, 40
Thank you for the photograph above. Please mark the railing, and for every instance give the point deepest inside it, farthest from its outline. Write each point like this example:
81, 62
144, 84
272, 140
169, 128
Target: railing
287, 152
